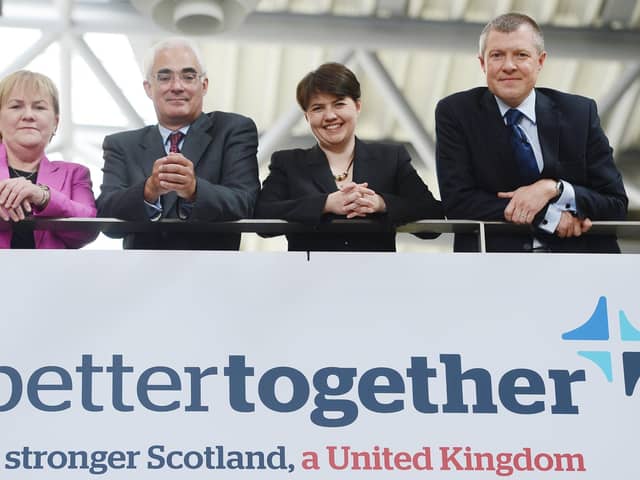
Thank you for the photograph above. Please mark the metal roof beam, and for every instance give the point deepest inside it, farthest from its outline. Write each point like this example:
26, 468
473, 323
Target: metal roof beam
101, 73
374, 33
618, 121
618, 12
30, 53
371, 33
615, 93
422, 142
392, 8
66, 132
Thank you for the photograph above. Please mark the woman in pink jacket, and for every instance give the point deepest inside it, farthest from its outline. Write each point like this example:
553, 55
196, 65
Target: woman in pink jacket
30, 184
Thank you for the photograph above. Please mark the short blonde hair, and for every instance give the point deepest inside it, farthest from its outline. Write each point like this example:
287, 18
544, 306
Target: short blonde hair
32, 81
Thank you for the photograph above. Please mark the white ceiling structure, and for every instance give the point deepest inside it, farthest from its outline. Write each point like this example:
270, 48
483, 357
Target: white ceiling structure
407, 54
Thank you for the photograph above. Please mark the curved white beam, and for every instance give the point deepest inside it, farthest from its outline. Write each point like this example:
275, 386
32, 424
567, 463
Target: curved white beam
615, 93
108, 82
32, 52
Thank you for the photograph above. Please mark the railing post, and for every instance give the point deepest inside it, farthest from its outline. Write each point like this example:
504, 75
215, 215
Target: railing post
482, 239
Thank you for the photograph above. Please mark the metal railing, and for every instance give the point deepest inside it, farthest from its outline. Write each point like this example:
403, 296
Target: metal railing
112, 226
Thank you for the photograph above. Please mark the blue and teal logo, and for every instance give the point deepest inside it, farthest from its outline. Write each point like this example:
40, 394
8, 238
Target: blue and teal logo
597, 329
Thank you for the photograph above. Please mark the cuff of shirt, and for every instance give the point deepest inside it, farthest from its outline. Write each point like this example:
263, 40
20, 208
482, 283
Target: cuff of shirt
551, 219
154, 210
567, 201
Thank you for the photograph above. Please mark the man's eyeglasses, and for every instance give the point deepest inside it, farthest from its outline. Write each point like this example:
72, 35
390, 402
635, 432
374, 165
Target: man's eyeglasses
187, 78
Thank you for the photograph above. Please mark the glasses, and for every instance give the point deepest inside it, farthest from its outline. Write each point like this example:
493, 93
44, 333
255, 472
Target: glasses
187, 78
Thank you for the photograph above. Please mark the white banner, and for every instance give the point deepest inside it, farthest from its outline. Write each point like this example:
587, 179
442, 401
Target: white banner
143, 365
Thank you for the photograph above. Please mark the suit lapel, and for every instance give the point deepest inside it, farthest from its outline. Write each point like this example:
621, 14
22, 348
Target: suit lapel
496, 137
193, 147
53, 176
198, 138
362, 163
5, 237
320, 171
152, 149
4, 164
548, 123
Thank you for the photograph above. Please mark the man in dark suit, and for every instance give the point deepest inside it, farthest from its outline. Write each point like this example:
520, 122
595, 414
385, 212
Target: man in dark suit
530, 156
191, 165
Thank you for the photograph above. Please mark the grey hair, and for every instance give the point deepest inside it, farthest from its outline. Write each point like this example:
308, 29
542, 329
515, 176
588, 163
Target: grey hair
169, 43
510, 22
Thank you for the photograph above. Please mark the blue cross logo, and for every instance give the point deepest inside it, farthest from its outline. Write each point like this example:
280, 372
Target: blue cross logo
597, 329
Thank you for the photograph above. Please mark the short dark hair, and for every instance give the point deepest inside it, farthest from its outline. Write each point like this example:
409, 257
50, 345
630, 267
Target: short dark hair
510, 22
332, 78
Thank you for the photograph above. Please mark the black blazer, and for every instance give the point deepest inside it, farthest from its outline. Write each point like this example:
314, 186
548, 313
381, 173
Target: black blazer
475, 161
300, 181
222, 147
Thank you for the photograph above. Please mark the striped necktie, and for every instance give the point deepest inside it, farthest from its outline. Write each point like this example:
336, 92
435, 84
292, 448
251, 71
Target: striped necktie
174, 141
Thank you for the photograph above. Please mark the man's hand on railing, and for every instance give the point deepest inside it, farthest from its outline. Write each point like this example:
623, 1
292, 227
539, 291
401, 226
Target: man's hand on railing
572, 226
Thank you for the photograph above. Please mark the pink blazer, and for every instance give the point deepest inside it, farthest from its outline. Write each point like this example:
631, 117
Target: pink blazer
71, 196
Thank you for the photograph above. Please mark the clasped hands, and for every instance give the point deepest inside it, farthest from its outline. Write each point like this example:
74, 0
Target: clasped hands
354, 200
525, 203
18, 196
173, 173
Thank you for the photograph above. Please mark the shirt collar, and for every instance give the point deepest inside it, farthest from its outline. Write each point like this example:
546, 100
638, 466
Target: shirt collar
165, 132
527, 107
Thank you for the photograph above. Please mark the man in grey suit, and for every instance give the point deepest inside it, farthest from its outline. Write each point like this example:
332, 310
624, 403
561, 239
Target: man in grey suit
191, 165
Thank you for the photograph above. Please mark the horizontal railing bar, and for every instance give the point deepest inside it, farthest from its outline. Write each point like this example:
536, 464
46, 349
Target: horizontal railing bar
117, 227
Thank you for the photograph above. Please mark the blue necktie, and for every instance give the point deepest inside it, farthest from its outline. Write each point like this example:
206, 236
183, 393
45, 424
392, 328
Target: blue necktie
527, 165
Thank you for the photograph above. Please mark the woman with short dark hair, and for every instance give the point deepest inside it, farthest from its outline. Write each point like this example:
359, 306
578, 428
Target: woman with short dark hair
341, 176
